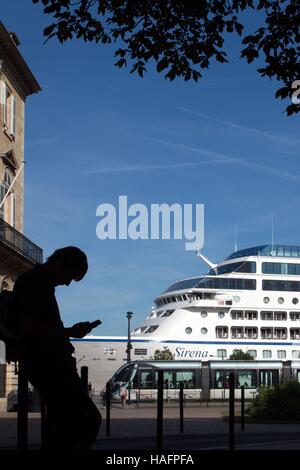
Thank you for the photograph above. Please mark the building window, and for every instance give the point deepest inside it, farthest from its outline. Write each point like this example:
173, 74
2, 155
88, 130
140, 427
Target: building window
267, 354
8, 210
281, 354
8, 109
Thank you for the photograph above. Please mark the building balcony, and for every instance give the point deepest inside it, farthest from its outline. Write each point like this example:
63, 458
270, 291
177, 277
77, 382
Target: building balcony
18, 243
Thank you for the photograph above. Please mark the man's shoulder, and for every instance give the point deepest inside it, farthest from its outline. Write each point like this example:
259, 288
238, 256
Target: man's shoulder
31, 277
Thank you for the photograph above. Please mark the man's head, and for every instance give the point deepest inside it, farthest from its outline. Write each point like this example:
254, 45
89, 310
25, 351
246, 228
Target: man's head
66, 265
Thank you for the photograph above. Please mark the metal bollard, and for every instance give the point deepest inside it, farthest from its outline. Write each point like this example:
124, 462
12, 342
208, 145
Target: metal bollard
160, 398
108, 395
231, 411
181, 405
242, 408
22, 434
84, 372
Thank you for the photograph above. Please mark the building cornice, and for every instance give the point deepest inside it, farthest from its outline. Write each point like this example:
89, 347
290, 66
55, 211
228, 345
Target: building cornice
9, 53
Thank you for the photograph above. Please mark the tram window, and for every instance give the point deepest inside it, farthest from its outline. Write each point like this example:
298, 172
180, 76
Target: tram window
269, 378
221, 378
187, 377
146, 379
246, 378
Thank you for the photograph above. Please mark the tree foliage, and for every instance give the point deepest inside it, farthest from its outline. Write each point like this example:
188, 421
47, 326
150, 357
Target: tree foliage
163, 354
185, 37
240, 356
281, 402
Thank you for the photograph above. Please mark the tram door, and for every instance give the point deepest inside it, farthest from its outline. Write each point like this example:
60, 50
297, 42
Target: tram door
269, 378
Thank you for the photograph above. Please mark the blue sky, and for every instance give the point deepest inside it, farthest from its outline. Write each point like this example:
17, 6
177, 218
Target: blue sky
96, 132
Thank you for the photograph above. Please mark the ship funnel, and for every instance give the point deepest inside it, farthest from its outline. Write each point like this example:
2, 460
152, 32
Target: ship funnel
206, 261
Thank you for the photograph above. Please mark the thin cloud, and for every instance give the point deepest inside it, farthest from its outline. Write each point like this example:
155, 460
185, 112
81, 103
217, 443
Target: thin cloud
268, 135
135, 168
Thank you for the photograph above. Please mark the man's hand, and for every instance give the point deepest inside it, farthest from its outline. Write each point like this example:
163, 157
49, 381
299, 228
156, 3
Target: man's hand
79, 330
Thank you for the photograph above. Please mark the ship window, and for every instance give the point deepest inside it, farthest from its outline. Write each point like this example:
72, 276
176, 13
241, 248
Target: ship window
222, 332
240, 267
267, 354
266, 333
277, 285
237, 332
295, 333
294, 316
225, 283
188, 330
280, 316
151, 329
203, 331
252, 353
266, 315
280, 300
237, 314
203, 314
221, 353
280, 333
292, 269
295, 300
140, 352
281, 354
251, 332
221, 314
266, 300
250, 315
296, 354
167, 313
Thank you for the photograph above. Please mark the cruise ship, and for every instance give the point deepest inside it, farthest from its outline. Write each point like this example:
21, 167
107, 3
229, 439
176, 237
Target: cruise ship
248, 302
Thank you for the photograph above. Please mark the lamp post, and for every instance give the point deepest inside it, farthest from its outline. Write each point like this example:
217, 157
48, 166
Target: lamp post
129, 347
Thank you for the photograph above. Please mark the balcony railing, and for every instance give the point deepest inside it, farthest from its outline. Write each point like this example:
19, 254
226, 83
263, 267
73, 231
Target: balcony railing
18, 242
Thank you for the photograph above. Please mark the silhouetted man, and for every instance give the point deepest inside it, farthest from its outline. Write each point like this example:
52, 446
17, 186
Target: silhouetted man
72, 419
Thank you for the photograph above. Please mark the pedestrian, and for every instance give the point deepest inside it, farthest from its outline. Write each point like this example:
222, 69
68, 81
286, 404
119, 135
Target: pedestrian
72, 419
123, 395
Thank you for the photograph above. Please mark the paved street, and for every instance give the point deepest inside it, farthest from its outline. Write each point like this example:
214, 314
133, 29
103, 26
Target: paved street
135, 429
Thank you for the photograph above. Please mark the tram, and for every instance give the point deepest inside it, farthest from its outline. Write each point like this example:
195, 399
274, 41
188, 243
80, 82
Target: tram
201, 381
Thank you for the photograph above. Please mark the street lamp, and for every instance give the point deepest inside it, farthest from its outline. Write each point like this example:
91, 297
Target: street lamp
128, 350
129, 345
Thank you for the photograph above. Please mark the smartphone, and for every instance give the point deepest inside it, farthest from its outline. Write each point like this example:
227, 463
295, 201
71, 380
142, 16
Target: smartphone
95, 323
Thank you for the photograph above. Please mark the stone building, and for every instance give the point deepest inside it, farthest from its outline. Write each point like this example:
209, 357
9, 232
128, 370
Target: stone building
17, 253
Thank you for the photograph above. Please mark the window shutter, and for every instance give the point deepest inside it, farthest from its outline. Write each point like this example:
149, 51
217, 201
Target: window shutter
13, 115
2, 194
3, 101
12, 209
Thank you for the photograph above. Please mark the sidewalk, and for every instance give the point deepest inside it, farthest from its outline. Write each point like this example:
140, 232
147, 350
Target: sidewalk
135, 428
